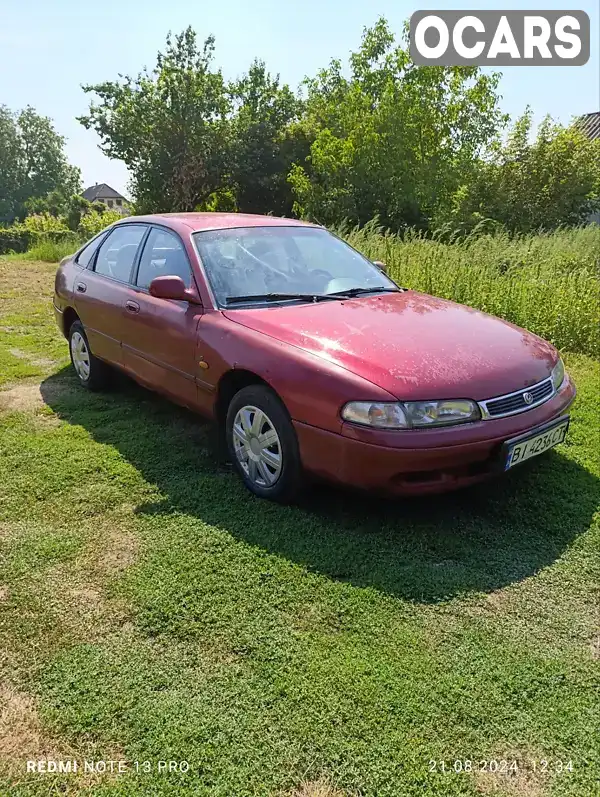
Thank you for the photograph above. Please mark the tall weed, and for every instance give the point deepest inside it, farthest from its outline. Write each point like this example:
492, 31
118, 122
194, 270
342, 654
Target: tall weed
51, 251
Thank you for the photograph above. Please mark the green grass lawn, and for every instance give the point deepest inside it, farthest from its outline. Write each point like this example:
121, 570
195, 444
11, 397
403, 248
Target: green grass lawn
152, 610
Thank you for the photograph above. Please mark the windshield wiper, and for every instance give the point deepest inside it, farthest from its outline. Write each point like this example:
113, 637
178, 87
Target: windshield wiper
359, 291
276, 297
309, 297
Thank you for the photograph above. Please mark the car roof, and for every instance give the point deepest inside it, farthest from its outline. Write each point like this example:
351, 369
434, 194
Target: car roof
215, 221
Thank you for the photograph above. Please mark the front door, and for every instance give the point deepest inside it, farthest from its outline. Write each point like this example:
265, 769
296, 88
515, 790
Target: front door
101, 290
160, 335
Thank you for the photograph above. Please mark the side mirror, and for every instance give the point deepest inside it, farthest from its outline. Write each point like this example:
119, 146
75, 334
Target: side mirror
381, 266
172, 287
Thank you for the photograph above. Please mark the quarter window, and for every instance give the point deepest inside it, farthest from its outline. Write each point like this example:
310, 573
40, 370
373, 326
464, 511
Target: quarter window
84, 258
163, 256
117, 253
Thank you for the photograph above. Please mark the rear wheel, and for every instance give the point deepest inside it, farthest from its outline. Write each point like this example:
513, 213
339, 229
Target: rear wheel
262, 444
93, 374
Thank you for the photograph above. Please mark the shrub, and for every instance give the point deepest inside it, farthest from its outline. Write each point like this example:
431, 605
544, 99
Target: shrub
93, 222
42, 223
19, 239
222, 201
13, 240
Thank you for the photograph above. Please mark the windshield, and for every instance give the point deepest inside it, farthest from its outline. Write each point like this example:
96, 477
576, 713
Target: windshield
278, 262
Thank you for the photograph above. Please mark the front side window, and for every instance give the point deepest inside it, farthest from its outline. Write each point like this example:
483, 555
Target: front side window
163, 256
257, 261
117, 254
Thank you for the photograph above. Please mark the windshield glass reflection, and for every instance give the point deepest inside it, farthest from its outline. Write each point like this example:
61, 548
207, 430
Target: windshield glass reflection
257, 261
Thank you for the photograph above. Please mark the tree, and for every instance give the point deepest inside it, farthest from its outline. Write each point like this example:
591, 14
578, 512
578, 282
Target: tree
169, 126
530, 185
11, 166
392, 140
32, 161
264, 141
192, 141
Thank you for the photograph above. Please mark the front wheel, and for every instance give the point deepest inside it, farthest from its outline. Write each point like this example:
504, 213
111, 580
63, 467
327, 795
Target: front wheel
93, 373
262, 444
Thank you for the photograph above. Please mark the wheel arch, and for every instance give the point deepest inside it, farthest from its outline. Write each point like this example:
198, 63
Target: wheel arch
68, 319
231, 383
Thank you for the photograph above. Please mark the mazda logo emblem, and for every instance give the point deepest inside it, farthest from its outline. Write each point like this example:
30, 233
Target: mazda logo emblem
527, 398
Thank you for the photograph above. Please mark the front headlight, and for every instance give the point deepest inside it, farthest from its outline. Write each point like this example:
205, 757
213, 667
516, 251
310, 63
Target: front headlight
382, 415
441, 413
411, 414
558, 374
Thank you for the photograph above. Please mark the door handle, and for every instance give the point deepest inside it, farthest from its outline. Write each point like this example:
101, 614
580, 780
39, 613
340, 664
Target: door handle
81, 287
132, 307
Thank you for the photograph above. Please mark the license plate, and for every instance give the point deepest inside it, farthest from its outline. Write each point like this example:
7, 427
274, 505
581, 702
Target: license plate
538, 442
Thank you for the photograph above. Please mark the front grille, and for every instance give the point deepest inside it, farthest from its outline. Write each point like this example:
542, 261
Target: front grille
515, 402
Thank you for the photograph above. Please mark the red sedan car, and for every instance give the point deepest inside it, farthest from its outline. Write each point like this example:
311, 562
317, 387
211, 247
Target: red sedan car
311, 358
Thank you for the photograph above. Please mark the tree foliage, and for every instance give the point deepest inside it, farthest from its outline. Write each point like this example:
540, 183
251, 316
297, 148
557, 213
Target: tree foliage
532, 183
71, 209
93, 222
265, 142
376, 138
393, 140
168, 126
32, 162
193, 141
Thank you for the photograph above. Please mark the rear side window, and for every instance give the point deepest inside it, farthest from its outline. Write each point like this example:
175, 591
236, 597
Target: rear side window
84, 258
163, 256
117, 253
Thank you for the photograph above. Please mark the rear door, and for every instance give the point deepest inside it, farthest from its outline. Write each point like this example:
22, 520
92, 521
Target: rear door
101, 291
160, 335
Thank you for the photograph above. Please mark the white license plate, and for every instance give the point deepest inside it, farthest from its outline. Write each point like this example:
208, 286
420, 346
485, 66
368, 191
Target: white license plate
536, 444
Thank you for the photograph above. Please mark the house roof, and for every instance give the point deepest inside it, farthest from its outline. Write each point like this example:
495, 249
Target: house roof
589, 124
101, 191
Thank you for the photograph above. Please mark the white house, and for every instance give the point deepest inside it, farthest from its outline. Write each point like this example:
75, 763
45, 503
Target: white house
111, 198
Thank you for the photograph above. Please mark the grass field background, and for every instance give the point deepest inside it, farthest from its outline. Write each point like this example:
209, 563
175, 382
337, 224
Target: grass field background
151, 609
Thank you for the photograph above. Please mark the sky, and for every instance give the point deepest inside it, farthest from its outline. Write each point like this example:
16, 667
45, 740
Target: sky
49, 48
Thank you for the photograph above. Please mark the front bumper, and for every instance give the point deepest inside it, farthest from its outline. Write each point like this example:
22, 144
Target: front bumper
420, 461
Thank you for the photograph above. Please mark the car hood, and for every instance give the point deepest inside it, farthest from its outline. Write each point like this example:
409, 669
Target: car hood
413, 345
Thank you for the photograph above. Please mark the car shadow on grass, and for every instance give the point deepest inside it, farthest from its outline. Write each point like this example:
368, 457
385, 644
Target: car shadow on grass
425, 550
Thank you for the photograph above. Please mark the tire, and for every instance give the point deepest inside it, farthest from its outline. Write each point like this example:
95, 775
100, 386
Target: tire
92, 373
269, 471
